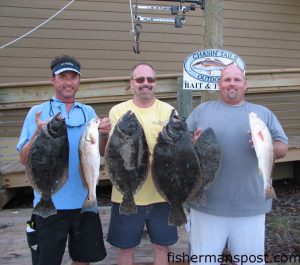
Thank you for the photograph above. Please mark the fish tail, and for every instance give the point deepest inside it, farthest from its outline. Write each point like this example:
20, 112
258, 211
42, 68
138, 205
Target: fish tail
177, 216
45, 208
270, 193
128, 205
90, 205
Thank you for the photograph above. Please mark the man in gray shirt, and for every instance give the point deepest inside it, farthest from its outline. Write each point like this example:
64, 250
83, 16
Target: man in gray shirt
235, 205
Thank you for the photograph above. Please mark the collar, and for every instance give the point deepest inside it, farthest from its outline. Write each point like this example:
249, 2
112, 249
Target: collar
233, 105
57, 102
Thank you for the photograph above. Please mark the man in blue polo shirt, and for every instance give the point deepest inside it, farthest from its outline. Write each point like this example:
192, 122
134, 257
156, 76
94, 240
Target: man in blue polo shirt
83, 231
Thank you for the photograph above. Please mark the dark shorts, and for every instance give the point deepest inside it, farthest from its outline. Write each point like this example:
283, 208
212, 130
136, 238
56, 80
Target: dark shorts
83, 231
126, 231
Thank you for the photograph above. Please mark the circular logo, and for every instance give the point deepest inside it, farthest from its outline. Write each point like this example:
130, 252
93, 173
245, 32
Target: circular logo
206, 65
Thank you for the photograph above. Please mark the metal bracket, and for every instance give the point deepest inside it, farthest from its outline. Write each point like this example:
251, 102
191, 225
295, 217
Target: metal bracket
173, 9
198, 2
202, 4
178, 20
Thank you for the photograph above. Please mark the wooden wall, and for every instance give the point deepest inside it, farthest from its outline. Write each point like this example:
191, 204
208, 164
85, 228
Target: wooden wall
266, 33
278, 90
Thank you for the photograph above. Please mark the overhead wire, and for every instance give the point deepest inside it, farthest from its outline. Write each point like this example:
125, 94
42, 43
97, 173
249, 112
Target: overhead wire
132, 32
37, 27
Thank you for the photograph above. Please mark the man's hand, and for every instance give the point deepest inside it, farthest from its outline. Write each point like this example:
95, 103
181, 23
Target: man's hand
104, 129
26, 148
196, 135
39, 123
104, 126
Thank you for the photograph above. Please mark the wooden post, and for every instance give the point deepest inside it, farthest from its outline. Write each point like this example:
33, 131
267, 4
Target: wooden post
212, 35
212, 39
184, 99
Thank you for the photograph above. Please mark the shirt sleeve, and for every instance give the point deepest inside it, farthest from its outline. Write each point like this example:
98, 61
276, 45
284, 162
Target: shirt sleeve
277, 131
113, 116
191, 121
90, 112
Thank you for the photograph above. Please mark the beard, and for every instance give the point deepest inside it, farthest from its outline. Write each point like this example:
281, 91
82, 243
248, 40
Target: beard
232, 94
146, 94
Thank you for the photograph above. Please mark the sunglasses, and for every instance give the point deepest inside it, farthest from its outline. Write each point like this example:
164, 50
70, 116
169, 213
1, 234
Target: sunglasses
141, 80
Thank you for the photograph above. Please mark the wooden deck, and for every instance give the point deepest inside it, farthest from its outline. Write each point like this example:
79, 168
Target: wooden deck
14, 249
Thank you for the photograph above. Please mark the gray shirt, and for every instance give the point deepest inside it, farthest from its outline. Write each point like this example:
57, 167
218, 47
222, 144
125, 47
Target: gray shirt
238, 188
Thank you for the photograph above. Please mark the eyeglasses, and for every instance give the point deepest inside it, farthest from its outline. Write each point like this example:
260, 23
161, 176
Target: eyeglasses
141, 80
51, 114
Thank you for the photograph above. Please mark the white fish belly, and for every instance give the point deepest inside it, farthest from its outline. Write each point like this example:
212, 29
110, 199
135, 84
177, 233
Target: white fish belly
90, 166
263, 145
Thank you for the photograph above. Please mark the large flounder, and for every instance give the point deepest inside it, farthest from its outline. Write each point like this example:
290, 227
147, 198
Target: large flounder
175, 167
127, 159
208, 150
47, 163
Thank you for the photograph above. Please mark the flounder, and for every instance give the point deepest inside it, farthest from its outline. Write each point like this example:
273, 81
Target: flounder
175, 167
47, 163
127, 159
209, 153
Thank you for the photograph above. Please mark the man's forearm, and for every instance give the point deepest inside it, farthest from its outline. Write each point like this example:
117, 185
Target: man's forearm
103, 142
280, 149
26, 148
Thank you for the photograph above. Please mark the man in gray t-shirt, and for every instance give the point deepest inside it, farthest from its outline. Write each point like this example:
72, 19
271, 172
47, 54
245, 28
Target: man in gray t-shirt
235, 205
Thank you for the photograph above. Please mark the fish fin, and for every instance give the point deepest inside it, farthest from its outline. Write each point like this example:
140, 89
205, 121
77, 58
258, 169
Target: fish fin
90, 205
203, 199
270, 193
98, 179
81, 175
199, 198
45, 208
260, 172
176, 215
261, 136
128, 205
186, 206
92, 138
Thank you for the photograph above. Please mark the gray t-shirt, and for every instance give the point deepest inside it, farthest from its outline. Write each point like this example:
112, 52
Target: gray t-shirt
238, 188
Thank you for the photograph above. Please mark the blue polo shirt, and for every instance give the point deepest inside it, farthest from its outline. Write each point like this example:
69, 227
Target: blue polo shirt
73, 193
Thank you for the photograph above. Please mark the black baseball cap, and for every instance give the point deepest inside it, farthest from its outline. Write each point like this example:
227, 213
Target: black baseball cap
65, 66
